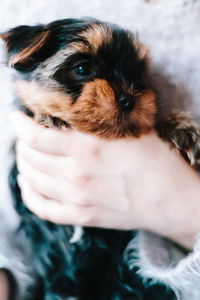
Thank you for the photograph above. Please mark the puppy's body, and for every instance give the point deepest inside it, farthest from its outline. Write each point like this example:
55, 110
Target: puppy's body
92, 77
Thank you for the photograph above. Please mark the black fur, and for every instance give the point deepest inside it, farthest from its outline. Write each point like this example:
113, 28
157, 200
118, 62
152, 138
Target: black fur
61, 33
90, 269
93, 268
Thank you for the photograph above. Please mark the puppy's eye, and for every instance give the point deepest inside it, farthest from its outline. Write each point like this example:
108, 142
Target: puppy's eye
82, 69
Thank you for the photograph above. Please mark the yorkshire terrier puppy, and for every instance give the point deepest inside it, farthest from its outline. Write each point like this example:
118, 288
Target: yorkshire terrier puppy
93, 77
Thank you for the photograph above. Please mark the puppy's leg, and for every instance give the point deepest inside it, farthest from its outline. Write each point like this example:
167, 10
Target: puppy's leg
183, 134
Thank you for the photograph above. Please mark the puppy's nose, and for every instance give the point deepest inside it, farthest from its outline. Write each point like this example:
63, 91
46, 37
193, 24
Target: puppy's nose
126, 102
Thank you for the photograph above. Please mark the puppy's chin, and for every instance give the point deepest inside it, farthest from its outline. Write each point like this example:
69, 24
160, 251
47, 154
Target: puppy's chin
94, 111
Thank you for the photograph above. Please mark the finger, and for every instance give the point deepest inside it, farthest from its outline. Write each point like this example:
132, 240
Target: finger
55, 187
49, 140
42, 183
48, 209
43, 207
40, 138
65, 167
60, 177
54, 165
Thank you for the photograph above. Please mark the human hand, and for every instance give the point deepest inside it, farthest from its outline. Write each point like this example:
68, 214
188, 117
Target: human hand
73, 178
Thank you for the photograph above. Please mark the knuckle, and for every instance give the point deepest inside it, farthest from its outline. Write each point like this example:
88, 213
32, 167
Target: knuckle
80, 178
38, 211
82, 201
94, 150
85, 221
76, 175
84, 218
41, 215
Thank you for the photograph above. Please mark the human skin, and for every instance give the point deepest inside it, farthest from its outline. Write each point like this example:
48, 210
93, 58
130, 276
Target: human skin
4, 288
131, 183
73, 178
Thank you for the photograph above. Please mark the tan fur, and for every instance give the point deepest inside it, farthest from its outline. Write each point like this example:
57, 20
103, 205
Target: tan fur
144, 111
142, 50
96, 110
76, 47
96, 35
42, 101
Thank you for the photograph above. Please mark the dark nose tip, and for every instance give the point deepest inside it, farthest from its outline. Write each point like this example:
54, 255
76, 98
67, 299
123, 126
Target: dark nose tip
126, 102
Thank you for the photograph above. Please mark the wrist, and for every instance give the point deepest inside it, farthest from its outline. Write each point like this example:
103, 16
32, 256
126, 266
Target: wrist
165, 199
184, 215
178, 206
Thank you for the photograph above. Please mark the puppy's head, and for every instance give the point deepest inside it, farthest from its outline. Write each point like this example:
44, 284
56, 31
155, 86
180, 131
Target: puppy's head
89, 74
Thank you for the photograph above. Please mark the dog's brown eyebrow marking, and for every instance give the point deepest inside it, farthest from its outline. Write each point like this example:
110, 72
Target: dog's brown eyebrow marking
25, 54
76, 47
96, 35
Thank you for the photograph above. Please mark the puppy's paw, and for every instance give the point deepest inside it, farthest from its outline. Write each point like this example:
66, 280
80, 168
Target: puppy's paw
182, 133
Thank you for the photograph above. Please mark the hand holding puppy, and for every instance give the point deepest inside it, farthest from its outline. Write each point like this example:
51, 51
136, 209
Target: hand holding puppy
73, 178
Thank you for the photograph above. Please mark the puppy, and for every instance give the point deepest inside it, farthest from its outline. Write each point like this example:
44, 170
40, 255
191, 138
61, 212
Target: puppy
93, 77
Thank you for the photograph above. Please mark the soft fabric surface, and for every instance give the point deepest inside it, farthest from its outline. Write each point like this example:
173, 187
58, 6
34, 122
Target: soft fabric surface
170, 28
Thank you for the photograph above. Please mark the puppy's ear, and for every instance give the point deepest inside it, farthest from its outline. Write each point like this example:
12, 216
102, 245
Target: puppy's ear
27, 46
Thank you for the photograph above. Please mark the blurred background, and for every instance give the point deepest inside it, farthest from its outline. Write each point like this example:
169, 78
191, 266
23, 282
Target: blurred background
170, 28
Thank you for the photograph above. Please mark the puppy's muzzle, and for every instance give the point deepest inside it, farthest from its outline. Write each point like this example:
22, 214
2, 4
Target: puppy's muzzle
126, 102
